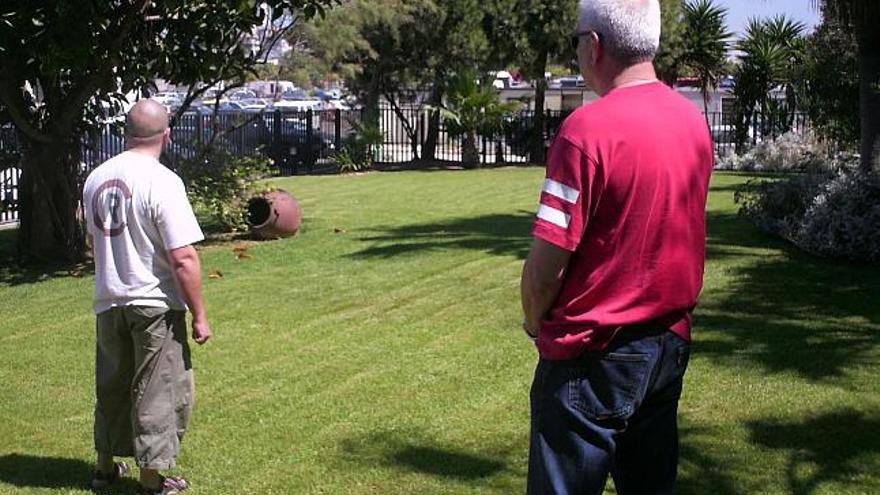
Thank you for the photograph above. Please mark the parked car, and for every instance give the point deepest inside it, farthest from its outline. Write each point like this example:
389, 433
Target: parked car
200, 108
170, 99
336, 105
253, 104
300, 105
571, 82
294, 94
328, 94
230, 106
501, 79
241, 94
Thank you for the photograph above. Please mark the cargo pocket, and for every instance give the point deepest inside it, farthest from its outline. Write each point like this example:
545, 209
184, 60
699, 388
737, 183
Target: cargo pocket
608, 388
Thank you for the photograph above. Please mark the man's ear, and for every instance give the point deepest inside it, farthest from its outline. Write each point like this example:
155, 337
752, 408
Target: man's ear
597, 51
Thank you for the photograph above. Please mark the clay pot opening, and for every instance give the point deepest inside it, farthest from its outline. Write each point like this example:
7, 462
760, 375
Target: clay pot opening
258, 211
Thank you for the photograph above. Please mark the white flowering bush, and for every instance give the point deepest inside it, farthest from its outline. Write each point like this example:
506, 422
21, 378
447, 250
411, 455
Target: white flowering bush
791, 152
843, 219
832, 213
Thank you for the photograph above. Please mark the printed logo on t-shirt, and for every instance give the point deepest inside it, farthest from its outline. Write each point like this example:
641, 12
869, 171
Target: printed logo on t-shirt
110, 207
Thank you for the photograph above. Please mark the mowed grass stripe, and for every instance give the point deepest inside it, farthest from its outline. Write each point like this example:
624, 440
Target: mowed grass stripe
379, 352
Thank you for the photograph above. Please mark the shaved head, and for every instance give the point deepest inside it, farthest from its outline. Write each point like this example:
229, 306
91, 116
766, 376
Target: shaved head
146, 119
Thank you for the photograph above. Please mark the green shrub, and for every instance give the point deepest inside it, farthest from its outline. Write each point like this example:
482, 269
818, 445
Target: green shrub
219, 185
347, 162
358, 151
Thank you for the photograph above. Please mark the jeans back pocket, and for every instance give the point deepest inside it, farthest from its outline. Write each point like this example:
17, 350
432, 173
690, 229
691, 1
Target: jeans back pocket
608, 387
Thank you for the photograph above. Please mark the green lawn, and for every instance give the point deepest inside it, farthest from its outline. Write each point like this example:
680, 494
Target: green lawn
379, 352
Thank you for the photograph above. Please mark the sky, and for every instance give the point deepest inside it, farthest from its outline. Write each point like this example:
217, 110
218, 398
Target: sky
739, 12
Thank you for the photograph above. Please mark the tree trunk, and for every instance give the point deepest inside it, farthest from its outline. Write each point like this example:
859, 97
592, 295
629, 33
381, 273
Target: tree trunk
869, 95
536, 154
429, 151
499, 151
470, 156
50, 227
371, 113
537, 147
705, 91
410, 128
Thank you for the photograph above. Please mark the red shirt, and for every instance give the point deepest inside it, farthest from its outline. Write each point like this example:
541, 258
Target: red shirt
627, 180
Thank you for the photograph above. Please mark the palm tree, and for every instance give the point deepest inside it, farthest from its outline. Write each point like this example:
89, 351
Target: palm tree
790, 35
864, 17
769, 53
473, 109
705, 40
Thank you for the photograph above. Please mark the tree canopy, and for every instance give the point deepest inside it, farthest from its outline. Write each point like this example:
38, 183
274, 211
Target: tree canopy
67, 65
863, 16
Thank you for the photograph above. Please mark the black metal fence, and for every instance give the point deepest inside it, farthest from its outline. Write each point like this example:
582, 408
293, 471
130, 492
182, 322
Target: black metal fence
407, 138
9, 195
300, 141
406, 135
296, 140
728, 135
9, 175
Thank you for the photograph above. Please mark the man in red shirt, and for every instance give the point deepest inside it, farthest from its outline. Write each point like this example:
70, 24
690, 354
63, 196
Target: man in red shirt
616, 266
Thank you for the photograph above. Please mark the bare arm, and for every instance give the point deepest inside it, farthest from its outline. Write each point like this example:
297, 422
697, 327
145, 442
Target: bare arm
188, 273
542, 278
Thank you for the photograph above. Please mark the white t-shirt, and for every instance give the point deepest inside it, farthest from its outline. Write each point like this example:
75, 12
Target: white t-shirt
137, 211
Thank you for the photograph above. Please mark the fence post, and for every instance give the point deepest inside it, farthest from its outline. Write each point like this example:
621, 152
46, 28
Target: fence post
310, 131
200, 128
755, 128
241, 133
275, 141
337, 130
423, 117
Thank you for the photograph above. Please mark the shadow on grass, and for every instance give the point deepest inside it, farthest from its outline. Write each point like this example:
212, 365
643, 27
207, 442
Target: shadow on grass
28, 471
421, 456
699, 472
784, 309
728, 234
781, 308
496, 234
445, 463
825, 448
15, 272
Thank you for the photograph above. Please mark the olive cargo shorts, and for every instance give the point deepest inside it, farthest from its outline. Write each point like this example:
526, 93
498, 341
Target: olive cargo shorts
143, 384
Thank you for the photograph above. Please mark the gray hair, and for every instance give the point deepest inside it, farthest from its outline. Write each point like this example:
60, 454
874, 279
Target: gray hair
630, 29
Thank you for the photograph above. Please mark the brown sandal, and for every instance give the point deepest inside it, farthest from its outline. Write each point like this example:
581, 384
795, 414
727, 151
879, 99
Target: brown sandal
101, 480
171, 485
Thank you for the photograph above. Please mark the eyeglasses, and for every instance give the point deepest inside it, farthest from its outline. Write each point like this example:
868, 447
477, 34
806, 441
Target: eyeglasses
575, 39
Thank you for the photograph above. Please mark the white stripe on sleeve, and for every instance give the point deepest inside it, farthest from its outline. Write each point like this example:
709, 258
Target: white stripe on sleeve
561, 191
554, 216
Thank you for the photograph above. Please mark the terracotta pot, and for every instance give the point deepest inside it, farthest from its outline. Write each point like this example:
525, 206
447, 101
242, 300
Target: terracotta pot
274, 214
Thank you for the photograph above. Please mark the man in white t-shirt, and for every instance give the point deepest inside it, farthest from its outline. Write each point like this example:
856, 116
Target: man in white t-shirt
142, 228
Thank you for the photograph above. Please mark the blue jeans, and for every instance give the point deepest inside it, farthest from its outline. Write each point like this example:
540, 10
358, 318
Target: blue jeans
611, 412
